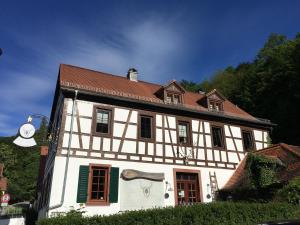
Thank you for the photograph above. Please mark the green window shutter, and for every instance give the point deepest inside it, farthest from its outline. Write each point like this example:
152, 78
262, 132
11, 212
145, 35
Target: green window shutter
114, 184
83, 181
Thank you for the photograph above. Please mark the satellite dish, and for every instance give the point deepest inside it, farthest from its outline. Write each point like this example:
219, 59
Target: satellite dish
26, 133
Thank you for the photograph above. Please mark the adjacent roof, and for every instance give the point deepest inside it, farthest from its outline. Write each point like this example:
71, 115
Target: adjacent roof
99, 82
289, 155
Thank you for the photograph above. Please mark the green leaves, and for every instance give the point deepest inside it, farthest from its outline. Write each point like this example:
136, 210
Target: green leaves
291, 192
262, 170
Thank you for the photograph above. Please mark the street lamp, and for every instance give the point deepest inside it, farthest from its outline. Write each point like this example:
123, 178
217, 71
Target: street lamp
27, 131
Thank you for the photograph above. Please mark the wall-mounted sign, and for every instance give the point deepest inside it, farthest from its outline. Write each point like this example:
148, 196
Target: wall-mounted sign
129, 174
5, 199
25, 138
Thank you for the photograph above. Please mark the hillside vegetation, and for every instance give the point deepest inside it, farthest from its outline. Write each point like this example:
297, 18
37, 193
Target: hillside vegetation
268, 87
21, 165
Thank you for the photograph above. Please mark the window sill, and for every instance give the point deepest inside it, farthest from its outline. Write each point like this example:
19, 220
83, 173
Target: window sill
146, 139
219, 148
97, 203
102, 134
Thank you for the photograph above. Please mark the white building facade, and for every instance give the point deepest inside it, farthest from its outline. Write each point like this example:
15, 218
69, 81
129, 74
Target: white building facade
121, 144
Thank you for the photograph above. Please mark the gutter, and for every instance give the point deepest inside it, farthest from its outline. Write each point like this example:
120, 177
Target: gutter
68, 157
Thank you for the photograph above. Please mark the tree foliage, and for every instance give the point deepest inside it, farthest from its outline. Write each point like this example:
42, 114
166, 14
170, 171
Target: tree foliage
21, 165
268, 87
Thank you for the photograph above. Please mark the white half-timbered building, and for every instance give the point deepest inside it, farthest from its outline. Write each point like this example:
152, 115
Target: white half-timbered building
121, 144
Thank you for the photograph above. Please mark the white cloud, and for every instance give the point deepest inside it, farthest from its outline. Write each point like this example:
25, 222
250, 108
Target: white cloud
154, 46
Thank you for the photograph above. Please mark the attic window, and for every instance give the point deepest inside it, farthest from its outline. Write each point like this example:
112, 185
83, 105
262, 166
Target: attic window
171, 93
173, 98
215, 101
214, 105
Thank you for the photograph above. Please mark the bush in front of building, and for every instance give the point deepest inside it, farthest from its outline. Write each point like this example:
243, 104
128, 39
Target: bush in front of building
290, 192
250, 194
219, 213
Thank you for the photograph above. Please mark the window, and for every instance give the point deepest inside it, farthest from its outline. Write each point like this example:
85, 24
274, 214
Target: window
217, 137
176, 99
215, 106
248, 140
103, 118
98, 184
173, 98
145, 126
183, 130
188, 191
169, 98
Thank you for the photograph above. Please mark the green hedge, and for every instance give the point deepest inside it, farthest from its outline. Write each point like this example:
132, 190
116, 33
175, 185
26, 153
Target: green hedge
220, 213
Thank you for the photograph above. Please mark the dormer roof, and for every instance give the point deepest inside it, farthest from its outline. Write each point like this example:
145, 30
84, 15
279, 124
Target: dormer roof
173, 86
215, 95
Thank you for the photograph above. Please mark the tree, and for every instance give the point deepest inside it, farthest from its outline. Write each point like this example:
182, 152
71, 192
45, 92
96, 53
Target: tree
268, 87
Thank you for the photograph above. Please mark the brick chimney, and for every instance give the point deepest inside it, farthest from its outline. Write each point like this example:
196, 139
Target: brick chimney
132, 74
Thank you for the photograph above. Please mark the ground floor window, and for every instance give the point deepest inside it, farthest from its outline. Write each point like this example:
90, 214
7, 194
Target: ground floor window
98, 184
188, 189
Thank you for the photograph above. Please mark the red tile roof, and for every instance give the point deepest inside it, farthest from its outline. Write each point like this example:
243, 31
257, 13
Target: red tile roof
99, 82
237, 176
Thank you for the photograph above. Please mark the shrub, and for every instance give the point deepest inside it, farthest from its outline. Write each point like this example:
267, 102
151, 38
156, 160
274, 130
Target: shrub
220, 213
250, 194
291, 192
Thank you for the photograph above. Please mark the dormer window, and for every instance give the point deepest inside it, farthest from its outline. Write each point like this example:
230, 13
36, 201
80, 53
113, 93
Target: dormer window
215, 101
173, 98
172, 93
215, 105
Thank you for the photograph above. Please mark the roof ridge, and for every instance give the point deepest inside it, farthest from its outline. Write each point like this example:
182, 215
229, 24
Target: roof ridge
288, 147
271, 146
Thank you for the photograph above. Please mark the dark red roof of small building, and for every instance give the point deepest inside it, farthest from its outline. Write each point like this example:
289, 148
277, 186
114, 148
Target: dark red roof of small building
289, 155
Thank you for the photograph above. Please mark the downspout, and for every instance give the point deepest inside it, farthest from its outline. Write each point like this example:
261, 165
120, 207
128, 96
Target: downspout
68, 157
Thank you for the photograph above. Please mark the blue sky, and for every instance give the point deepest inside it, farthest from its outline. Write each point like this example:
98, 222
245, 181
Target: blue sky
164, 40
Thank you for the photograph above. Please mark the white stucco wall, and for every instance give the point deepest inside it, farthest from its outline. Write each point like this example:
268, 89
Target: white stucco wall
71, 188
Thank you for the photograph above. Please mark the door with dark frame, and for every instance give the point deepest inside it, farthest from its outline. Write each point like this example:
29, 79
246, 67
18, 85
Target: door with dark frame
188, 191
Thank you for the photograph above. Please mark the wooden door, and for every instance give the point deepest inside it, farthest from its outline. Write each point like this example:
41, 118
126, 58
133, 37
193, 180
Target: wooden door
188, 191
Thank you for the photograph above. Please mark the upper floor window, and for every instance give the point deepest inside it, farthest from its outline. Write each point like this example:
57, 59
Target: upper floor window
218, 140
248, 140
183, 133
146, 126
103, 120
